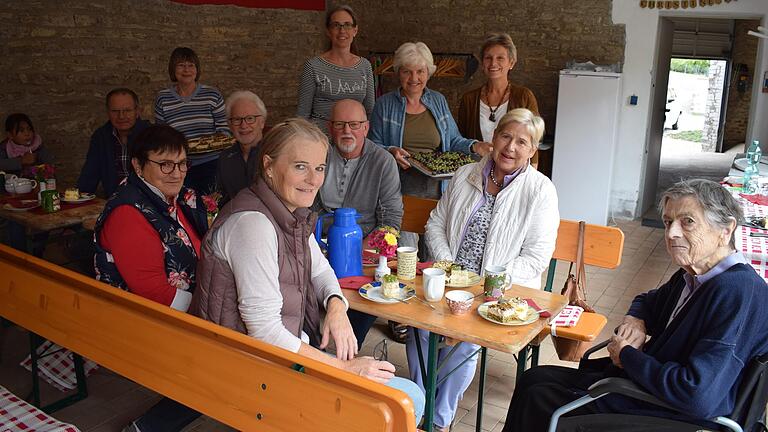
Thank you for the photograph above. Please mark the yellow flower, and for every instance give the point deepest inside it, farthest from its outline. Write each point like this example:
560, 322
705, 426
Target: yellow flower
390, 239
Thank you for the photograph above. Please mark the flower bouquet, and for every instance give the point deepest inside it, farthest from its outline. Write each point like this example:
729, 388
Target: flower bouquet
384, 241
211, 203
40, 172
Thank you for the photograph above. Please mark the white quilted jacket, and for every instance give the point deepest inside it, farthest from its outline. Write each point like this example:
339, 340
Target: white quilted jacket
523, 227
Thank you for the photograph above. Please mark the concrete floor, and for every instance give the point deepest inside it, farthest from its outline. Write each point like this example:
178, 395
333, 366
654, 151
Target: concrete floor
114, 401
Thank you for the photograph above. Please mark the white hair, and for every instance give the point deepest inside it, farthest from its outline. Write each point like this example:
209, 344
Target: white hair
534, 124
238, 95
414, 54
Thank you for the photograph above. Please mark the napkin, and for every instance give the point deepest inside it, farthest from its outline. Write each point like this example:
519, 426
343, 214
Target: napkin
354, 282
568, 317
533, 304
756, 199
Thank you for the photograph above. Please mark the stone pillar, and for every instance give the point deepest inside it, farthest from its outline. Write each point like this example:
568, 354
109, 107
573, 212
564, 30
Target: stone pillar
712, 111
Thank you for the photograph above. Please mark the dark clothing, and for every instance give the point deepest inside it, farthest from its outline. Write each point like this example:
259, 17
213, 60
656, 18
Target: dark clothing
695, 363
216, 299
166, 416
180, 256
101, 161
44, 156
234, 174
202, 178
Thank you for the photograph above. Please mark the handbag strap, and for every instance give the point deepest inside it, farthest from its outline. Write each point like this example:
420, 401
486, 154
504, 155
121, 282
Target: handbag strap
580, 251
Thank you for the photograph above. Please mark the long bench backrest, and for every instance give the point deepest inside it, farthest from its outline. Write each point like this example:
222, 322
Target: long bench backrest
229, 376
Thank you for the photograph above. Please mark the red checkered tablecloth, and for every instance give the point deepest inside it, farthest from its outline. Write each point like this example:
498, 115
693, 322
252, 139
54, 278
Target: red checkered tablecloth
58, 368
17, 415
755, 249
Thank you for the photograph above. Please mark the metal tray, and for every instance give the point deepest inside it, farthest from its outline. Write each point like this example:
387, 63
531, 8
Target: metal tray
427, 172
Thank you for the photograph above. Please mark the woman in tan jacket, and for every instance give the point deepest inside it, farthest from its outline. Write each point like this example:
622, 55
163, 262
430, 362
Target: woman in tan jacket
481, 109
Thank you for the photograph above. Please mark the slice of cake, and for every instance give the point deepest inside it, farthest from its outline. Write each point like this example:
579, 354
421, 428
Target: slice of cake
72, 194
460, 277
514, 309
390, 286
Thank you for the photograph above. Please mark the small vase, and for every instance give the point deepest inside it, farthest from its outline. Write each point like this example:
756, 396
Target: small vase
382, 269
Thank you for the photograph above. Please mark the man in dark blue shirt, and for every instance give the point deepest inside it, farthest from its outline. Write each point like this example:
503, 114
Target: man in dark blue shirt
107, 159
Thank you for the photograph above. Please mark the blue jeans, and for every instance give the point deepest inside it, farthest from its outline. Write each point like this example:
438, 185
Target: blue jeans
450, 392
361, 323
413, 391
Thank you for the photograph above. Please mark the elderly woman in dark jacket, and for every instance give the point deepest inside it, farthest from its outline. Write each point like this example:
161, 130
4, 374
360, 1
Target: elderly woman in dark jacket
148, 240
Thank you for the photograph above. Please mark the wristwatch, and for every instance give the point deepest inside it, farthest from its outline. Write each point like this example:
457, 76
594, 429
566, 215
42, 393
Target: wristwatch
472, 148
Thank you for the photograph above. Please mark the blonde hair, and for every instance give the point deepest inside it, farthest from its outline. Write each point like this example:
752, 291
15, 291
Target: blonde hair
500, 39
274, 142
534, 124
414, 54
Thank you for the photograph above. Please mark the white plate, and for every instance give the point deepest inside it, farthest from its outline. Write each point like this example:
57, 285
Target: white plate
9, 207
83, 198
372, 292
474, 279
533, 315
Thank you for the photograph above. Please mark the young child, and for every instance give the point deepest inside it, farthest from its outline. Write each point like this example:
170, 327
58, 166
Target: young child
23, 147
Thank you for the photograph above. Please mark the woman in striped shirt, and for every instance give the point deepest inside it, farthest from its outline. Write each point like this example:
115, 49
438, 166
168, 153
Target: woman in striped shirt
337, 73
195, 110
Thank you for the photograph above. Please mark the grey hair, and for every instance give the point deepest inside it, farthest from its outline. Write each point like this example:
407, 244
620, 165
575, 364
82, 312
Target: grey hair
720, 207
414, 54
534, 124
500, 39
238, 95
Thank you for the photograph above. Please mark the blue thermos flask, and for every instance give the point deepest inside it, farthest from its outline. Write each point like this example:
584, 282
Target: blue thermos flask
345, 242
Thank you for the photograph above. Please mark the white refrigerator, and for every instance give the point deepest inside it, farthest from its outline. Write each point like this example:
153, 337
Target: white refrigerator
585, 144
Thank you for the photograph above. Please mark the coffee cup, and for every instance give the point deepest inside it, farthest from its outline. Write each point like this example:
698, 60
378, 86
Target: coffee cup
406, 262
20, 185
496, 282
434, 284
459, 301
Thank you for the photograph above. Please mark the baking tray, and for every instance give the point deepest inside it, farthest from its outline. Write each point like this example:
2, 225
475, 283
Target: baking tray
427, 172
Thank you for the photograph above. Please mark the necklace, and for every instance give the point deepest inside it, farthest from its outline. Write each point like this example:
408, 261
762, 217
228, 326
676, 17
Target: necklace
492, 116
493, 178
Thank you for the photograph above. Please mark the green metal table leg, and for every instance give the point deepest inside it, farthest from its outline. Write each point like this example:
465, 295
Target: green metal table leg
522, 360
34, 342
534, 355
431, 381
480, 396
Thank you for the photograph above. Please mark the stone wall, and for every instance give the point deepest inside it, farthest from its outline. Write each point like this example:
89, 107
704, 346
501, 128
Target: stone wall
737, 111
714, 103
61, 57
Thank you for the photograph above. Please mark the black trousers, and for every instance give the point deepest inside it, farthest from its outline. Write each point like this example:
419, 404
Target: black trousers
542, 390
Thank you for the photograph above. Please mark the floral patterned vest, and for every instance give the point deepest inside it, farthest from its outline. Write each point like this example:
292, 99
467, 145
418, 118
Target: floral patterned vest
180, 256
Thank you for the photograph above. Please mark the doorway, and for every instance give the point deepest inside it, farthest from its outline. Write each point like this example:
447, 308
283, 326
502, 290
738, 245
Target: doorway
692, 81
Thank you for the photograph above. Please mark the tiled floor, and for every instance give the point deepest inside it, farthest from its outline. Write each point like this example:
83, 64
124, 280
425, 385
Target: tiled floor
114, 401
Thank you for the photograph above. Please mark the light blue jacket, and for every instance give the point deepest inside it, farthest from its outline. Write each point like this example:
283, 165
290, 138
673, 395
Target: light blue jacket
388, 119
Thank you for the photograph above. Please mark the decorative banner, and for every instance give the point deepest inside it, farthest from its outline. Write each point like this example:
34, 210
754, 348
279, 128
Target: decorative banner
317, 5
675, 4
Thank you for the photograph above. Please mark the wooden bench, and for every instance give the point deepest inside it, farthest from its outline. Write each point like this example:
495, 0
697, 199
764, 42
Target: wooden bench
242, 382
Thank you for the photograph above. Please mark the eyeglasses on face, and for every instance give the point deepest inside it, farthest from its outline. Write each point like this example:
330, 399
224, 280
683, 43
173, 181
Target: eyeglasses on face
237, 121
338, 26
122, 112
167, 167
354, 125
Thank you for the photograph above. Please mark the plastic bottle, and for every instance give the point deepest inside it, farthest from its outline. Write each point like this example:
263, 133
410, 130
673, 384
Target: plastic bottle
752, 172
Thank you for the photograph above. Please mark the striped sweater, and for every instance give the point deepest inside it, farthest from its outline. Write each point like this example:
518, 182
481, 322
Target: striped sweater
197, 115
324, 83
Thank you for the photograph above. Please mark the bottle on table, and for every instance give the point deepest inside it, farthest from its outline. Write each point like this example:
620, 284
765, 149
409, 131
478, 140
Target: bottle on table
752, 171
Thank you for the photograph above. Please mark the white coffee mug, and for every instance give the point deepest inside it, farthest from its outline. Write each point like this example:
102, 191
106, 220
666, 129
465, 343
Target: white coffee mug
434, 284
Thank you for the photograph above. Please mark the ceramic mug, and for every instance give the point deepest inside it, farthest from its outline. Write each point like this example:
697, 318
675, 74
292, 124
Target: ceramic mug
496, 282
20, 185
434, 284
406, 262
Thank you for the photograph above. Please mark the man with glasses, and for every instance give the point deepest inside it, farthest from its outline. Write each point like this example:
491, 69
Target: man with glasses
107, 160
363, 176
246, 115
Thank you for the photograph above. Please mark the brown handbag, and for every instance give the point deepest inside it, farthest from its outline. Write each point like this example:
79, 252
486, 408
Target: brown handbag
575, 290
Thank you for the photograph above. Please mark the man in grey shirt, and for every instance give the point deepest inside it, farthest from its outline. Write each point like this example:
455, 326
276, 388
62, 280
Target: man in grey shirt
360, 174
363, 176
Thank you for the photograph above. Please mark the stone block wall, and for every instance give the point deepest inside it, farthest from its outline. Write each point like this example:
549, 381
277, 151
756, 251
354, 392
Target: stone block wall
716, 77
61, 57
737, 111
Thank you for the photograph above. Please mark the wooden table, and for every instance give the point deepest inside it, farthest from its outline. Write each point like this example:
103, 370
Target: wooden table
34, 222
470, 327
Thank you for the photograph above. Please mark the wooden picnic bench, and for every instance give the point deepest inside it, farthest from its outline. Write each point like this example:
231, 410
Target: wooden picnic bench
233, 378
